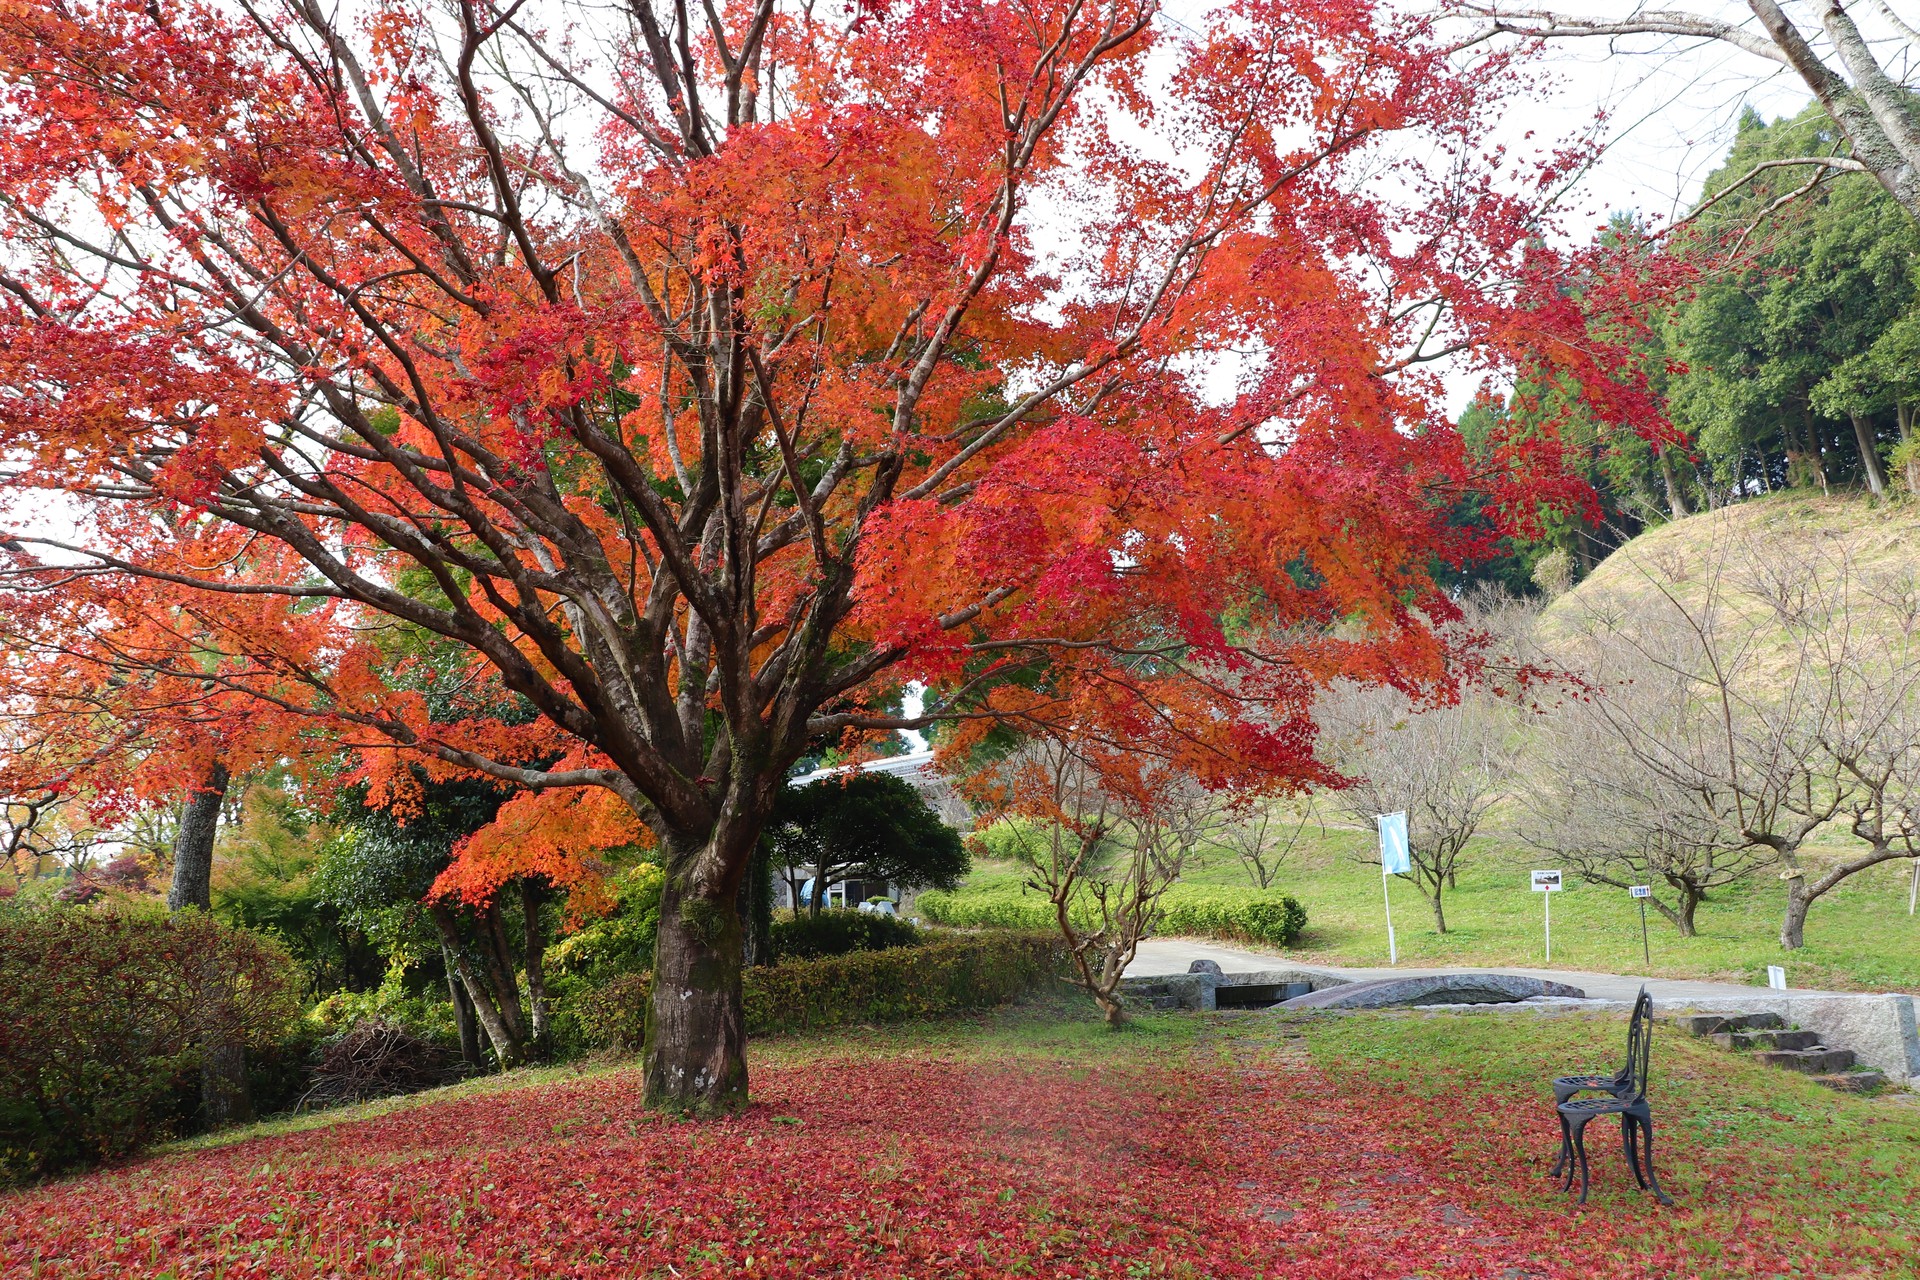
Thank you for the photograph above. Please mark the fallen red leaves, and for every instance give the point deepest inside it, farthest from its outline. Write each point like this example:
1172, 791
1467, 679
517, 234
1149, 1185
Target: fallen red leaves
898, 1168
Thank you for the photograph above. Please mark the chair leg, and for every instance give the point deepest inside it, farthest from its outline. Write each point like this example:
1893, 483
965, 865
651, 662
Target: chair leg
1632, 1148
1572, 1161
1580, 1150
1566, 1148
1646, 1135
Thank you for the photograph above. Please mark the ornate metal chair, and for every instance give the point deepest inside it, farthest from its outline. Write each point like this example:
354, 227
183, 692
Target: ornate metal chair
1566, 1087
1629, 1102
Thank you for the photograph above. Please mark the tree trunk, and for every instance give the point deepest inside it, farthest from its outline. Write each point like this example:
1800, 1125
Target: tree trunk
502, 980
756, 908
1811, 452
535, 956
695, 1054
502, 1029
463, 1018
224, 1096
193, 844
1793, 927
1676, 501
1690, 899
1904, 413
1869, 456
1439, 910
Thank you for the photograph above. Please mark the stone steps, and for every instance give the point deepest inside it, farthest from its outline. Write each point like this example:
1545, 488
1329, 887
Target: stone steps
1767, 1037
1817, 1061
1713, 1024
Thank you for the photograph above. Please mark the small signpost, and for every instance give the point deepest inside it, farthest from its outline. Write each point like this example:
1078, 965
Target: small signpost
1776, 977
1643, 892
1395, 860
1548, 883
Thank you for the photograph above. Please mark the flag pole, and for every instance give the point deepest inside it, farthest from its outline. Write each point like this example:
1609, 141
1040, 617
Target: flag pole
1393, 952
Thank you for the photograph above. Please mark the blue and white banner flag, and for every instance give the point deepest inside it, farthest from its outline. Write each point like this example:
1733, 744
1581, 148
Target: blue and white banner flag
1394, 859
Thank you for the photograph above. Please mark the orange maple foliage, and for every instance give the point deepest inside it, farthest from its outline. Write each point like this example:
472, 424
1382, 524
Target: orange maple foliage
697, 380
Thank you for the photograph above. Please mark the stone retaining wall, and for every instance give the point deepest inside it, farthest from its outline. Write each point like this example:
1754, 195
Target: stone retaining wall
1880, 1029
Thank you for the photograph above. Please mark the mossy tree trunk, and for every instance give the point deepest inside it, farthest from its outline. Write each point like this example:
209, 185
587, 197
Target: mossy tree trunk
696, 1035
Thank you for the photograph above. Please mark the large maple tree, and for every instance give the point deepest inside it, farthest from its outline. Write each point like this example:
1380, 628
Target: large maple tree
701, 375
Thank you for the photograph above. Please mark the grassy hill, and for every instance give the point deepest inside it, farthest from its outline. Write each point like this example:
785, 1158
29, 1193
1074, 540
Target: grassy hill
1750, 542
1881, 537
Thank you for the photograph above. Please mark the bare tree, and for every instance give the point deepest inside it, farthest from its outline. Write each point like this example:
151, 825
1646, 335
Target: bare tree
1853, 73
1857, 636
1446, 767
1265, 836
1785, 689
1592, 801
1103, 856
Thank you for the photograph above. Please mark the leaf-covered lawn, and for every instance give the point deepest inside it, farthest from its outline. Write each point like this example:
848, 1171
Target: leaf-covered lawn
1353, 1147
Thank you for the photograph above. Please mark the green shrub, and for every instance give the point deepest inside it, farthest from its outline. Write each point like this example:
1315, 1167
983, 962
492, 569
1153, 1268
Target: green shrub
106, 1013
429, 1017
895, 985
1242, 915
1235, 915
838, 931
619, 942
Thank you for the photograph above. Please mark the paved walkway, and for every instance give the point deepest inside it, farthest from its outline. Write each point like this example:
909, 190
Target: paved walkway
1158, 956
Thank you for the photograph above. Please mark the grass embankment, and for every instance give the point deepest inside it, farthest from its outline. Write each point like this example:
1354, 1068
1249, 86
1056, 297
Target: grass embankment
1033, 1143
1859, 937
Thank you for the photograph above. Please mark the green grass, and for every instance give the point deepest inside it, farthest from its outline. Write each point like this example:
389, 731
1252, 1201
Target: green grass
1805, 1157
1859, 937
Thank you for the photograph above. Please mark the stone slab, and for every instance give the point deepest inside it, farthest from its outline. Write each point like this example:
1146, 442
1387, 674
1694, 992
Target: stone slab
1195, 990
1434, 989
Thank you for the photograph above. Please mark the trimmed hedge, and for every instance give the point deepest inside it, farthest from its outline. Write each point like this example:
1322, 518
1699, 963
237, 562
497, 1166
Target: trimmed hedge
837, 931
895, 985
1212, 911
106, 1013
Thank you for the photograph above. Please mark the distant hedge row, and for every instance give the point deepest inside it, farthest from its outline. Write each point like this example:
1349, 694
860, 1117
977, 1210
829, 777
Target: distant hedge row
1213, 911
894, 985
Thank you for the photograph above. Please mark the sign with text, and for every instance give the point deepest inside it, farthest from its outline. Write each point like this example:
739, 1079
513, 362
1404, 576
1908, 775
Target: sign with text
1641, 891
1546, 882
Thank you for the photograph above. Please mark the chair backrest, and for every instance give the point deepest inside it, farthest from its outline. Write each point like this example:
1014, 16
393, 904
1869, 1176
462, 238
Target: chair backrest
1639, 1045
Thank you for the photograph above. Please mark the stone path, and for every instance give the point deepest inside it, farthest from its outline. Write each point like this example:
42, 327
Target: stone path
1158, 956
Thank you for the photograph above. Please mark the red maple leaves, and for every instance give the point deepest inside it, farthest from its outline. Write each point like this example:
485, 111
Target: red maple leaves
879, 1166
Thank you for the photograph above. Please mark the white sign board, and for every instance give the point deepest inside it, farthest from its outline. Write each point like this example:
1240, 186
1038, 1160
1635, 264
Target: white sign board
1641, 891
1546, 882
1776, 977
